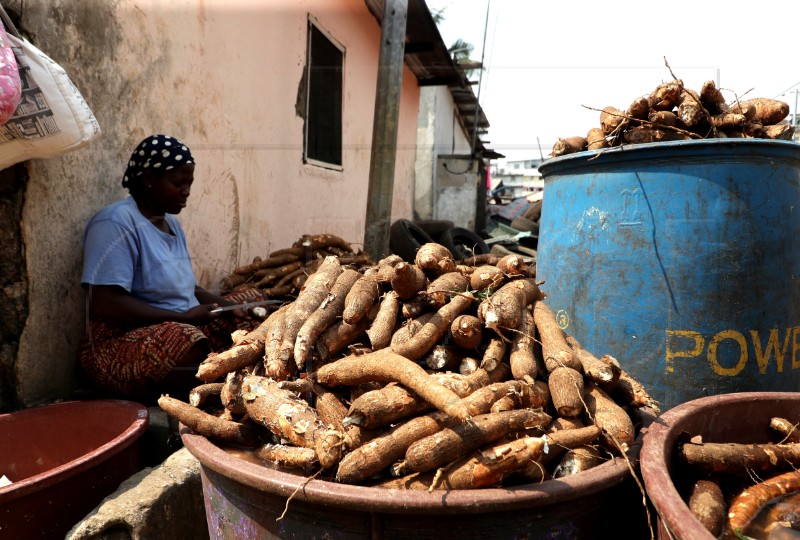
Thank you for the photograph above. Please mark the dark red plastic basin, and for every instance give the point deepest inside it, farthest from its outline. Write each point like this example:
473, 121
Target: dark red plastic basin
739, 417
63, 459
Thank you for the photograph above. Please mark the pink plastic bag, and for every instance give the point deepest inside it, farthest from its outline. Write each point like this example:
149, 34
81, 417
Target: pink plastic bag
10, 87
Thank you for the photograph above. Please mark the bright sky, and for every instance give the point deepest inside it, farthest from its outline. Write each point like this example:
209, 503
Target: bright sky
548, 60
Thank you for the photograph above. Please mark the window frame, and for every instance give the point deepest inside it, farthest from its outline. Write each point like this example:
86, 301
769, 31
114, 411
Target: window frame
313, 25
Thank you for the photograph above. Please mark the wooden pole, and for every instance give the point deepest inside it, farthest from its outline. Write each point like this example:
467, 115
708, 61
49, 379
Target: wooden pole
384, 128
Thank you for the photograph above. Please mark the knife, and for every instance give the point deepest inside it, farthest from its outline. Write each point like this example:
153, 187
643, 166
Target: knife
245, 305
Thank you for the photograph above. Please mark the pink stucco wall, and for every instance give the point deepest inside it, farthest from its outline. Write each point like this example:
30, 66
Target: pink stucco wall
253, 187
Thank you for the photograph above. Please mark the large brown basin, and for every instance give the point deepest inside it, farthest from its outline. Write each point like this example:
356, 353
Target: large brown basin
244, 499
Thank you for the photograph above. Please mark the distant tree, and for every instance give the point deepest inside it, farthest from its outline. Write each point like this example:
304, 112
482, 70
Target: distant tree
460, 50
438, 15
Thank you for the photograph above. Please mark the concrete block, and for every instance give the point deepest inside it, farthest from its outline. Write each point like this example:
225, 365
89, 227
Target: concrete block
160, 503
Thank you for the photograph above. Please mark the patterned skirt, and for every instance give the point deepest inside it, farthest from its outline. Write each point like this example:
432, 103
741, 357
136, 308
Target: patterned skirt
129, 363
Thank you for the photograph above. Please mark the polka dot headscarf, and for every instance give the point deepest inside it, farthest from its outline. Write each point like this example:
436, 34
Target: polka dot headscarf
156, 153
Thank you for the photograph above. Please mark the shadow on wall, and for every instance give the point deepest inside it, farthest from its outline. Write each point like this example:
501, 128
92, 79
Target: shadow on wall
13, 280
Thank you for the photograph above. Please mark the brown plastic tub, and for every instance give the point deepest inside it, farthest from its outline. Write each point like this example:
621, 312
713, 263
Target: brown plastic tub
63, 459
740, 417
244, 499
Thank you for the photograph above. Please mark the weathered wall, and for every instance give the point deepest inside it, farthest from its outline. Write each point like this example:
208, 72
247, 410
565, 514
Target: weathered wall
224, 76
13, 280
426, 131
438, 133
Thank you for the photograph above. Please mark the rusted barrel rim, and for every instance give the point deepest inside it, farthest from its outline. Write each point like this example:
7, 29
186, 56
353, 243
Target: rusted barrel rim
670, 150
395, 501
657, 450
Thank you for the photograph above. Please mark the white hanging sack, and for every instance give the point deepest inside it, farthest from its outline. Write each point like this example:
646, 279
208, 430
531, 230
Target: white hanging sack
53, 117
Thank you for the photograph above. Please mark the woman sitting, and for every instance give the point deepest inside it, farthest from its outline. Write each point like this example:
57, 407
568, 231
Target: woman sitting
149, 324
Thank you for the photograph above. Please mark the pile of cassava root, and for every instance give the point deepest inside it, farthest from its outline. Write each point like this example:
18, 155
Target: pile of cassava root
428, 375
284, 271
672, 112
736, 481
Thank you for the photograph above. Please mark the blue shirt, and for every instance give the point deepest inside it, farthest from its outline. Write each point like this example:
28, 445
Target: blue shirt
122, 247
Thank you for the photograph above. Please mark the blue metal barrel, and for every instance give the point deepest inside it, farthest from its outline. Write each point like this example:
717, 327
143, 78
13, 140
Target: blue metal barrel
681, 260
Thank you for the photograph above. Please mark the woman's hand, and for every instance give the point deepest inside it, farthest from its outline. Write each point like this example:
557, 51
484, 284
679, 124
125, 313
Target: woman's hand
201, 314
206, 297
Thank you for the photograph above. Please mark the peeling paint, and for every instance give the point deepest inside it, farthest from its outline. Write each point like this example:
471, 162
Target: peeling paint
300, 102
593, 218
